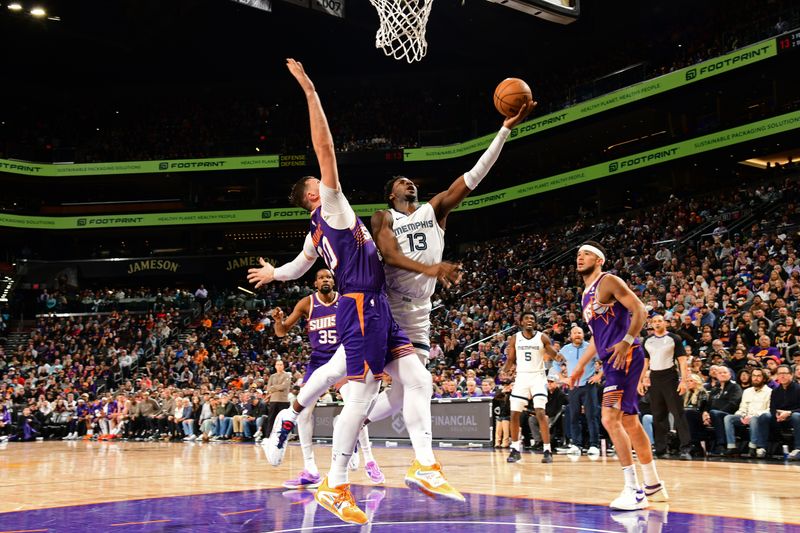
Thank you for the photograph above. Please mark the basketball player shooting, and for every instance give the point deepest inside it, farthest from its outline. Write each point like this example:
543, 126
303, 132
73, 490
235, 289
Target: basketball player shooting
616, 316
529, 350
410, 238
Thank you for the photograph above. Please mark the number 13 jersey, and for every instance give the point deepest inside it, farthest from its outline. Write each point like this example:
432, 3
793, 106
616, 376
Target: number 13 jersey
422, 239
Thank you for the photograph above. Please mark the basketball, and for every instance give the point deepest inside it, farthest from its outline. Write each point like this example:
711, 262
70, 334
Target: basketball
510, 95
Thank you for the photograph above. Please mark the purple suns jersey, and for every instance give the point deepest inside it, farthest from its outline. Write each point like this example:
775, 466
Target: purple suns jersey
322, 328
350, 253
608, 323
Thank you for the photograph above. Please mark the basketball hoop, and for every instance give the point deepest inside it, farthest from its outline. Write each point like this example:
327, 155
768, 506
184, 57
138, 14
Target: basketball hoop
402, 28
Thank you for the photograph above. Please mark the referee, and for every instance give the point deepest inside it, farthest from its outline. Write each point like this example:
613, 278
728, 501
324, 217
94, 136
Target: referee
662, 350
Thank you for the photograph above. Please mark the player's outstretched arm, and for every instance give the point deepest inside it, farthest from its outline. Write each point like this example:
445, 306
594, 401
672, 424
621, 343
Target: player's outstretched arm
321, 136
446, 201
383, 234
293, 270
283, 323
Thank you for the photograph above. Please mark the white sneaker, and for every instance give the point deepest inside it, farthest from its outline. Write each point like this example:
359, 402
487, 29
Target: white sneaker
4, 438
657, 492
761, 453
593, 450
794, 455
573, 450
630, 499
258, 435
187, 439
68, 436
275, 446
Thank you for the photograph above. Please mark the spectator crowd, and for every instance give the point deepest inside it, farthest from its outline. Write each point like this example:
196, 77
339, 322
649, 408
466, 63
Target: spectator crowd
721, 269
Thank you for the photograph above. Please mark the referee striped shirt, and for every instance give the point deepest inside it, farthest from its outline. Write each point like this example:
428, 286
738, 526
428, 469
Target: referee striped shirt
663, 351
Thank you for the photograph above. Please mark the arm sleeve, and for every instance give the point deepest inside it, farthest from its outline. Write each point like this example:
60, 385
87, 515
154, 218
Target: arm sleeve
300, 264
336, 209
644, 348
474, 176
680, 351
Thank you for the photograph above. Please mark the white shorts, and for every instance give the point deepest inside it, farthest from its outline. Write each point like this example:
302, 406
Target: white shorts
414, 317
529, 385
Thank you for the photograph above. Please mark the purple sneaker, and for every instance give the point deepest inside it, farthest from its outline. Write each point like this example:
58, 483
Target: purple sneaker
305, 480
374, 473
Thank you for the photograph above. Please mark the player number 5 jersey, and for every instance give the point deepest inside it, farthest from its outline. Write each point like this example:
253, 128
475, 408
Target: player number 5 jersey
422, 239
530, 353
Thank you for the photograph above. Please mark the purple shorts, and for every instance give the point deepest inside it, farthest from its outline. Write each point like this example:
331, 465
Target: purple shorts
621, 384
370, 336
314, 362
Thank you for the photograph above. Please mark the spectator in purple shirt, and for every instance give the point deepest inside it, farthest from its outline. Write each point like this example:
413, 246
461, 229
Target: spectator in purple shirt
763, 349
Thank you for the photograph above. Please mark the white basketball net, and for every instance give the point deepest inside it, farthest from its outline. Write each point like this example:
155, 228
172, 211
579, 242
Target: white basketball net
402, 31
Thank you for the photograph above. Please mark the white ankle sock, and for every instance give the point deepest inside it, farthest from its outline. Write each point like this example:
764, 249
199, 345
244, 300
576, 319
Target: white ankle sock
631, 480
649, 473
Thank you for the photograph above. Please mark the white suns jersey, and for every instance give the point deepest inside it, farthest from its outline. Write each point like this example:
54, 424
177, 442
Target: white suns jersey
530, 353
422, 239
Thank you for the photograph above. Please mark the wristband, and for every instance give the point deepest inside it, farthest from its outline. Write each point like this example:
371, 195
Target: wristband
628, 338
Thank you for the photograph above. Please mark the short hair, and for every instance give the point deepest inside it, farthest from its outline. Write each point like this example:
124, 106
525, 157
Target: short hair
526, 313
321, 270
787, 367
387, 189
298, 195
598, 246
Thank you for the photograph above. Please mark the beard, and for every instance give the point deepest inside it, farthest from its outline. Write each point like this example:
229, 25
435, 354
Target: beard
326, 289
586, 270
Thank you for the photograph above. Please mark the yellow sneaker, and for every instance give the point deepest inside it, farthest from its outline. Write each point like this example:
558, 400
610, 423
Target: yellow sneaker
430, 481
340, 502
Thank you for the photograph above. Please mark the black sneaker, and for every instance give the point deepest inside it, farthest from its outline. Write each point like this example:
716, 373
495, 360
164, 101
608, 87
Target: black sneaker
686, 455
548, 457
730, 452
514, 456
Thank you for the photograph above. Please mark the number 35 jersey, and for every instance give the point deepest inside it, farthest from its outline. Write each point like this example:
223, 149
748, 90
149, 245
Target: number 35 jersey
422, 239
322, 328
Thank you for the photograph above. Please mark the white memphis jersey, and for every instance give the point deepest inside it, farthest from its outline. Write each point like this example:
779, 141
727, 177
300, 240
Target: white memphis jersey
530, 353
422, 239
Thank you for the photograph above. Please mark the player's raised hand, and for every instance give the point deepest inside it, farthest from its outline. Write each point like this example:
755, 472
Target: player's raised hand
296, 68
261, 276
523, 113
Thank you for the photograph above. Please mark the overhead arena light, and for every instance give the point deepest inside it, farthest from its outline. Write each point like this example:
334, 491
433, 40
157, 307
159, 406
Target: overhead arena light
15, 6
38, 12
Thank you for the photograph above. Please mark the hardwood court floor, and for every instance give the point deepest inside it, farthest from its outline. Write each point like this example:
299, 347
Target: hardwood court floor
47, 475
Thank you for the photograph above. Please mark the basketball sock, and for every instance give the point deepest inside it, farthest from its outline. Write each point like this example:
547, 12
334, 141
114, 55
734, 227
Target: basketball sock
546, 447
365, 445
649, 473
388, 403
408, 372
516, 445
345, 432
305, 430
631, 481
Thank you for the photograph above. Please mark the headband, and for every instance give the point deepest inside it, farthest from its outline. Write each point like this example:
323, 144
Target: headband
594, 250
